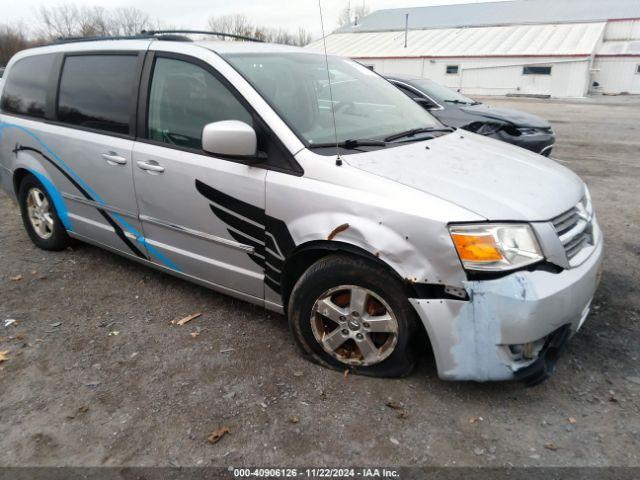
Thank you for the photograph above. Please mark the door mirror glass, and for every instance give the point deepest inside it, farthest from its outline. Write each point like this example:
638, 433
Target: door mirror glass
231, 138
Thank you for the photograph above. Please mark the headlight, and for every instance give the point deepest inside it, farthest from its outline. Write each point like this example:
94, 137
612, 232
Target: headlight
586, 204
495, 247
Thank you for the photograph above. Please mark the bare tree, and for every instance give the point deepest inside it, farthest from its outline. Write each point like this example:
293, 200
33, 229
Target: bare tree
129, 21
303, 37
72, 21
12, 40
345, 16
349, 15
60, 21
361, 11
238, 24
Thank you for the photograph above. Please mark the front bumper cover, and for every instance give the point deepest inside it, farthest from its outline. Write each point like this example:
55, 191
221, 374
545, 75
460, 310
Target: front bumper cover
471, 339
541, 142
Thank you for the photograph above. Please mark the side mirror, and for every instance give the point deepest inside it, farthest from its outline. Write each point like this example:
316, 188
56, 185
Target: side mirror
231, 138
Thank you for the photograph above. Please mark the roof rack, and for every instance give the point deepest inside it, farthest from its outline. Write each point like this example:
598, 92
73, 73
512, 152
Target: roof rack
200, 32
170, 35
98, 38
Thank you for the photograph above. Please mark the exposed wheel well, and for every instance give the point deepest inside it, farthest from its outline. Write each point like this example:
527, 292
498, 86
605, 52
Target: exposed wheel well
306, 255
18, 176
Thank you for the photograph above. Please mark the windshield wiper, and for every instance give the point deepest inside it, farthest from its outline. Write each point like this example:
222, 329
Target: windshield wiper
352, 143
413, 132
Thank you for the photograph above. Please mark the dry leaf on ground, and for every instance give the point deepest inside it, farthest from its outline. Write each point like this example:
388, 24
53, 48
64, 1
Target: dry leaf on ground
551, 446
3, 356
194, 334
217, 435
17, 278
571, 420
184, 320
294, 419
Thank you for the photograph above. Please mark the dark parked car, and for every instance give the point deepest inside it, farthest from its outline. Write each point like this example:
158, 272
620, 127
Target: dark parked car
455, 110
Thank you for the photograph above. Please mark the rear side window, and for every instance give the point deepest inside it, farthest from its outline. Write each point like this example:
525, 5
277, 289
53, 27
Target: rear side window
25, 91
183, 99
96, 91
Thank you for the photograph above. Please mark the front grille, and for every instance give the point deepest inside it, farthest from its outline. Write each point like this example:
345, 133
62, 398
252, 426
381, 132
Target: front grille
574, 228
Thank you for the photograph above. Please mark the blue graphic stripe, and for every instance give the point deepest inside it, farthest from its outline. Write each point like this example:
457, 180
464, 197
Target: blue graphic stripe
58, 201
78, 179
140, 239
61, 207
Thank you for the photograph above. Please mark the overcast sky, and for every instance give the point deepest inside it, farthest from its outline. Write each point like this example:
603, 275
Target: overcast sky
193, 14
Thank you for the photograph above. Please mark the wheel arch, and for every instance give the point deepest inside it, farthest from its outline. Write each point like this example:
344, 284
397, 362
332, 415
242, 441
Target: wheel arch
305, 255
19, 174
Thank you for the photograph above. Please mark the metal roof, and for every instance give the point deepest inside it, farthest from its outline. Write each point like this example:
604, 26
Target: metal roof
498, 13
619, 49
574, 39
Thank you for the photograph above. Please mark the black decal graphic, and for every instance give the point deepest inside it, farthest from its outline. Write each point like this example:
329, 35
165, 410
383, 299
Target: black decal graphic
250, 225
119, 232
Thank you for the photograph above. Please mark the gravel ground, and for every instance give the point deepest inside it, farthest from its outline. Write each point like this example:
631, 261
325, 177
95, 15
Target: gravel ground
72, 392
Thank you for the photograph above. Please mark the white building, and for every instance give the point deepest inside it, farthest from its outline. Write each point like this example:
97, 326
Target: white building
561, 48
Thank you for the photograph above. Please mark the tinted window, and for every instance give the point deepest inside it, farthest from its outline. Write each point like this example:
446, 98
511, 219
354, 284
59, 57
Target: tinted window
452, 69
536, 71
25, 91
637, 68
441, 94
184, 98
96, 91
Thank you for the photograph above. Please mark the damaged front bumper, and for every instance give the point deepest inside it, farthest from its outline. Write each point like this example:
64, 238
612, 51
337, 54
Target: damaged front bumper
511, 327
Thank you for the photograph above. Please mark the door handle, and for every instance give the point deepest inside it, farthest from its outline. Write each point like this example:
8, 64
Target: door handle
151, 166
113, 158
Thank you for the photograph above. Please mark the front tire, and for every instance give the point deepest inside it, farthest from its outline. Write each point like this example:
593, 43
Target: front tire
39, 216
347, 312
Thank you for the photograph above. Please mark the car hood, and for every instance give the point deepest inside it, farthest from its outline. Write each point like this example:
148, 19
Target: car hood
493, 179
518, 118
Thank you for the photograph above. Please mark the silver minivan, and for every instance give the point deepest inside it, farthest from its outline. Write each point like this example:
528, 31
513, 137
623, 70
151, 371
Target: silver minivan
309, 185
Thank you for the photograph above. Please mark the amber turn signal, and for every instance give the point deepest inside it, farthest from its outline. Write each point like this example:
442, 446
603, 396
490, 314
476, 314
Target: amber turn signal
476, 248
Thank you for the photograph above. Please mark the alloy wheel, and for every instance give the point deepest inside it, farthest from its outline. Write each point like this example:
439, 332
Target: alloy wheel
40, 213
354, 325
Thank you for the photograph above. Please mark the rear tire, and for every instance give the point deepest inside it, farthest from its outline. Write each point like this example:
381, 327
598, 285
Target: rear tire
39, 216
375, 340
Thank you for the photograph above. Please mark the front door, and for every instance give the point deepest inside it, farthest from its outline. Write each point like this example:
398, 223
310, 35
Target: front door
195, 208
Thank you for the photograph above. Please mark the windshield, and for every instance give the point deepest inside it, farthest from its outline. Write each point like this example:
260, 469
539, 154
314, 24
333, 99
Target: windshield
366, 105
442, 94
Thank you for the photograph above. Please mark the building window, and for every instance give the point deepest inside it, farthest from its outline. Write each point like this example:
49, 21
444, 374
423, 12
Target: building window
536, 71
638, 68
452, 69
